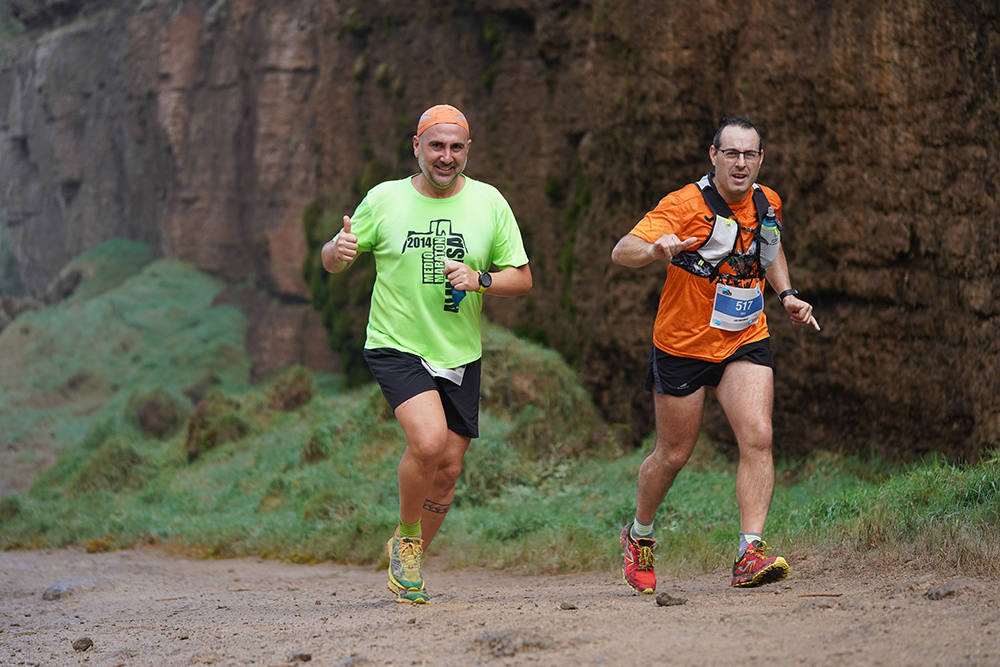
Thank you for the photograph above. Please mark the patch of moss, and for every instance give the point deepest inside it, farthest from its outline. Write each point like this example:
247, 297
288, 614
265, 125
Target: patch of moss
572, 216
275, 496
360, 69
382, 75
555, 190
532, 387
157, 413
10, 507
115, 466
291, 389
373, 173
355, 23
404, 130
318, 446
99, 544
216, 420
342, 299
492, 36
397, 86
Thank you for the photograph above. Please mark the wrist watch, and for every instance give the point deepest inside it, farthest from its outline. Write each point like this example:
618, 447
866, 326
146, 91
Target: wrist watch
787, 292
485, 280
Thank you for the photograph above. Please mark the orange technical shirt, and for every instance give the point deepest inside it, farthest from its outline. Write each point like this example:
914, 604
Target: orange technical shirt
682, 319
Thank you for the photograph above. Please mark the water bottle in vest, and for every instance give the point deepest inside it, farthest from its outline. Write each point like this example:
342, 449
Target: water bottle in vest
770, 238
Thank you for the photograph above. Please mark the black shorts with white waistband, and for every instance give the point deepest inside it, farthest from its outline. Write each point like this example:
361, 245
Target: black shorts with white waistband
401, 377
681, 376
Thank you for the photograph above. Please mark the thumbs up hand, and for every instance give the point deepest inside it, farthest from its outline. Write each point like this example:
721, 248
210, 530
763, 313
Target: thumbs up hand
669, 245
338, 253
345, 243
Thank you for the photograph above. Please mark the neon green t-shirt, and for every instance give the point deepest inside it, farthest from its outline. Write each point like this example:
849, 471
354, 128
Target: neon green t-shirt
410, 236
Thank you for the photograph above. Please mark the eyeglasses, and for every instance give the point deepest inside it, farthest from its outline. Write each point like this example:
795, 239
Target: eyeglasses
733, 155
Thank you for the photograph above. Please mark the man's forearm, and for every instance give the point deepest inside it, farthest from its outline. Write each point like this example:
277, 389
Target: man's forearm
329, 257
631, 251
777, 273
512, 281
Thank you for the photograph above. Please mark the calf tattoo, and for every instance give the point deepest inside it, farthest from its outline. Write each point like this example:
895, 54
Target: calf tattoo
437, 508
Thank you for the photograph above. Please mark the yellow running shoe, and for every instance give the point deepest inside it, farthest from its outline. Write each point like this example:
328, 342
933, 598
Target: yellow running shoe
405, 580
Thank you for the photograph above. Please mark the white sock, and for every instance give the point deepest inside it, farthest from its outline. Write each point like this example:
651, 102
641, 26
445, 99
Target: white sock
642, 531
745, 540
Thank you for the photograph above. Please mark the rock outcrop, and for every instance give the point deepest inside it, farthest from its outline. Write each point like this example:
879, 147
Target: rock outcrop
205, 128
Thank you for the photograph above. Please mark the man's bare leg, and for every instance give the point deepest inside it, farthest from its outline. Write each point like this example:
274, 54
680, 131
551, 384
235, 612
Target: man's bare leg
423, 421
442, 491
678, 421
746, 394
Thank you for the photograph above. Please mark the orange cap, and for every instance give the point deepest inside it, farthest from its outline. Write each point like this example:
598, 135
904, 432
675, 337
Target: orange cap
441, 113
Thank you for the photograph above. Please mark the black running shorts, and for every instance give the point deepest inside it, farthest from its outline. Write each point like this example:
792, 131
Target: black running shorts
680, 376
401, 377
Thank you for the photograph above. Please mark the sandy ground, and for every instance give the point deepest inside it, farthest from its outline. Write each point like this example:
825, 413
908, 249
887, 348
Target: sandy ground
149, 607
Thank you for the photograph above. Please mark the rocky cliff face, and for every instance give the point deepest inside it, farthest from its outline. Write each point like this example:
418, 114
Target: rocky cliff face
206, 127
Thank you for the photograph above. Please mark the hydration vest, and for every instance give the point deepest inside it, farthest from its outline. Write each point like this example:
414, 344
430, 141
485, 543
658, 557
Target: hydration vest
705, 259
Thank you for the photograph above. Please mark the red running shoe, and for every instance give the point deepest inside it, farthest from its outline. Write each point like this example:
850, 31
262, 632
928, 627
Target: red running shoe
637, 567
756, 569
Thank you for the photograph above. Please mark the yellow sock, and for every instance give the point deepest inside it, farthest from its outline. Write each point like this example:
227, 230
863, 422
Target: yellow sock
409, 529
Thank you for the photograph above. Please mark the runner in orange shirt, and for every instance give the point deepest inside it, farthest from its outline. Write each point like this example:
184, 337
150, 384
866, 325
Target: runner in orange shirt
718, 237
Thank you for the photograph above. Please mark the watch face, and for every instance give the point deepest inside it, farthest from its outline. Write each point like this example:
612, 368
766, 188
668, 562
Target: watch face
485, 279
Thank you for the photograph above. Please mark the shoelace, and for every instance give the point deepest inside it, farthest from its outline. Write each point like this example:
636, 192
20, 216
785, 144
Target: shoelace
645, 558
758, 552
409, 553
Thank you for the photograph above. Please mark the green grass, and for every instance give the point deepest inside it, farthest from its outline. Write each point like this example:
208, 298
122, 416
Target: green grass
134, 324
164, 441
933, 511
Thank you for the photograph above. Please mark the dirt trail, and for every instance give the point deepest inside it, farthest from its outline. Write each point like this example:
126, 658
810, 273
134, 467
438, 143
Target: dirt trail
149, 607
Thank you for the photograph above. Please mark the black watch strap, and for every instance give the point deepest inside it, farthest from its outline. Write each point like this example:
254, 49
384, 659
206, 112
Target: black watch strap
787, 292
485, 281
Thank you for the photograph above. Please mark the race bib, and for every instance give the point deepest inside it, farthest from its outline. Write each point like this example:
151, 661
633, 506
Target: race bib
736, 308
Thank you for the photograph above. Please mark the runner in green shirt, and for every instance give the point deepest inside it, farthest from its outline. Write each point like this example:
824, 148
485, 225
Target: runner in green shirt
441, 242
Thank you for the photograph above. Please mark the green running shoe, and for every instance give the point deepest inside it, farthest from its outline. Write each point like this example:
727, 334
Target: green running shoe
413, 597
405, 580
